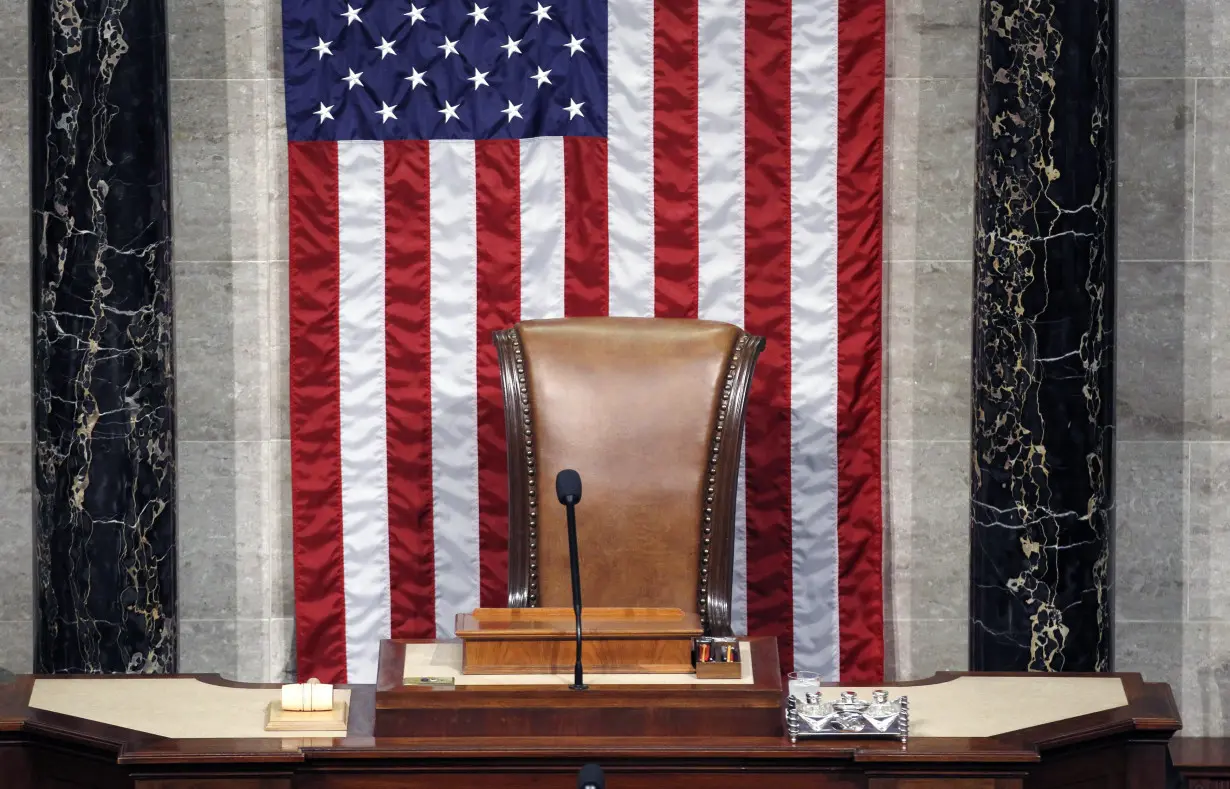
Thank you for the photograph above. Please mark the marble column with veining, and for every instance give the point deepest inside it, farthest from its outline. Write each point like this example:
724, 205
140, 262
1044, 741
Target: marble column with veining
1043, 338
103, 384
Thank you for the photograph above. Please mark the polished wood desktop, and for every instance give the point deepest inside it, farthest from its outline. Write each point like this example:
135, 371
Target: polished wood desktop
1122, 746
1201, 762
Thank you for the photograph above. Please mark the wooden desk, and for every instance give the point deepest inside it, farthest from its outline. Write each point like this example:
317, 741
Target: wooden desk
1120, 747
1202, 762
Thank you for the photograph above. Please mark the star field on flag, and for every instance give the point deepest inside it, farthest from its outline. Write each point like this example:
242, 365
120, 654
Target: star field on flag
445, 69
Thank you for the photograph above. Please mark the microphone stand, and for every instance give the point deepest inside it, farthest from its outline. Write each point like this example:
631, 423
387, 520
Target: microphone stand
577, 683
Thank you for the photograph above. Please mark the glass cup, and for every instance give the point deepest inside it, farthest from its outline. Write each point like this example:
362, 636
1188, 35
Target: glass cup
800, 683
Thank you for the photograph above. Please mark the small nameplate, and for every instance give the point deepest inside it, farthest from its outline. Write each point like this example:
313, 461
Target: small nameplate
428, 681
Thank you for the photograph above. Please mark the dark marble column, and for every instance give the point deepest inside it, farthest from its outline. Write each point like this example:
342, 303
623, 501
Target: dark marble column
1043, 344
104, 471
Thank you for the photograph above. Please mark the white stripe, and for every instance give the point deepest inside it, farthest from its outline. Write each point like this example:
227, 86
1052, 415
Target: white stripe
720, 149
813, 334
365, 511
454, 379
542, 228
630, 156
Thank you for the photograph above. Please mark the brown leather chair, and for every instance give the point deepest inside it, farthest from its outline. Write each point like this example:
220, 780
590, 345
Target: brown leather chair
650, 412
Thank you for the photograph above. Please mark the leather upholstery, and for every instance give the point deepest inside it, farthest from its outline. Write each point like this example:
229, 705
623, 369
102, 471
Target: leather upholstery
632, 404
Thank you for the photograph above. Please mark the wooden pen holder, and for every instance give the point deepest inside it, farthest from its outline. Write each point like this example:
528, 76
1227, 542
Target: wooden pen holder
717, 658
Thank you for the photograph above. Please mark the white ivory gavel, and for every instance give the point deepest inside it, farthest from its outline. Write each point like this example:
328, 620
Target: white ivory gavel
310, 696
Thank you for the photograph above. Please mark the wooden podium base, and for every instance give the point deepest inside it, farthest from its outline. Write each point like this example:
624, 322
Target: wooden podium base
604, 710
543, 640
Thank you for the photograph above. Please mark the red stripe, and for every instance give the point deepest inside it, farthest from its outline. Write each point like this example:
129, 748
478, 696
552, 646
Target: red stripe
586, 284
675, 159
315, 421
498, 232
770, 606
860, 146
407, 318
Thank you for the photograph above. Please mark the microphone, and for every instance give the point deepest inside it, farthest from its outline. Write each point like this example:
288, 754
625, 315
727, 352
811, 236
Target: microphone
568, 490
591, 778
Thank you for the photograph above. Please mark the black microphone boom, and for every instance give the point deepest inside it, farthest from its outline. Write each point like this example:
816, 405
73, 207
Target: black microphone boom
568, 489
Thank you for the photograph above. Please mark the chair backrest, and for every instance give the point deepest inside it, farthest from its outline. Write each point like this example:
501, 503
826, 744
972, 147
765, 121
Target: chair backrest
650, 412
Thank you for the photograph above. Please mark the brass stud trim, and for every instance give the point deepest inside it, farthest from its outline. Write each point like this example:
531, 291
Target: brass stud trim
531, 475
711, 478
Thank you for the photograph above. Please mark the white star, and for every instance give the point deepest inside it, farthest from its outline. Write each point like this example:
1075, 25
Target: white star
325, 113
450, 111
386, 48
415, 13
574, 45
513, 111
352, 15
416, 78
541, 13
541, 77
322, 48
479, 78
511, 46
574, 109
386, 112
353, 79
479, 14
449, 47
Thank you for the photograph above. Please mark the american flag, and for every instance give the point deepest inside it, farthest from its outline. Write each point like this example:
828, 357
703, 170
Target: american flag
458, 166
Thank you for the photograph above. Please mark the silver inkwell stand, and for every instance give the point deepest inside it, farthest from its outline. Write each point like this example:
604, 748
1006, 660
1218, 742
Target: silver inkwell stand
812, 717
